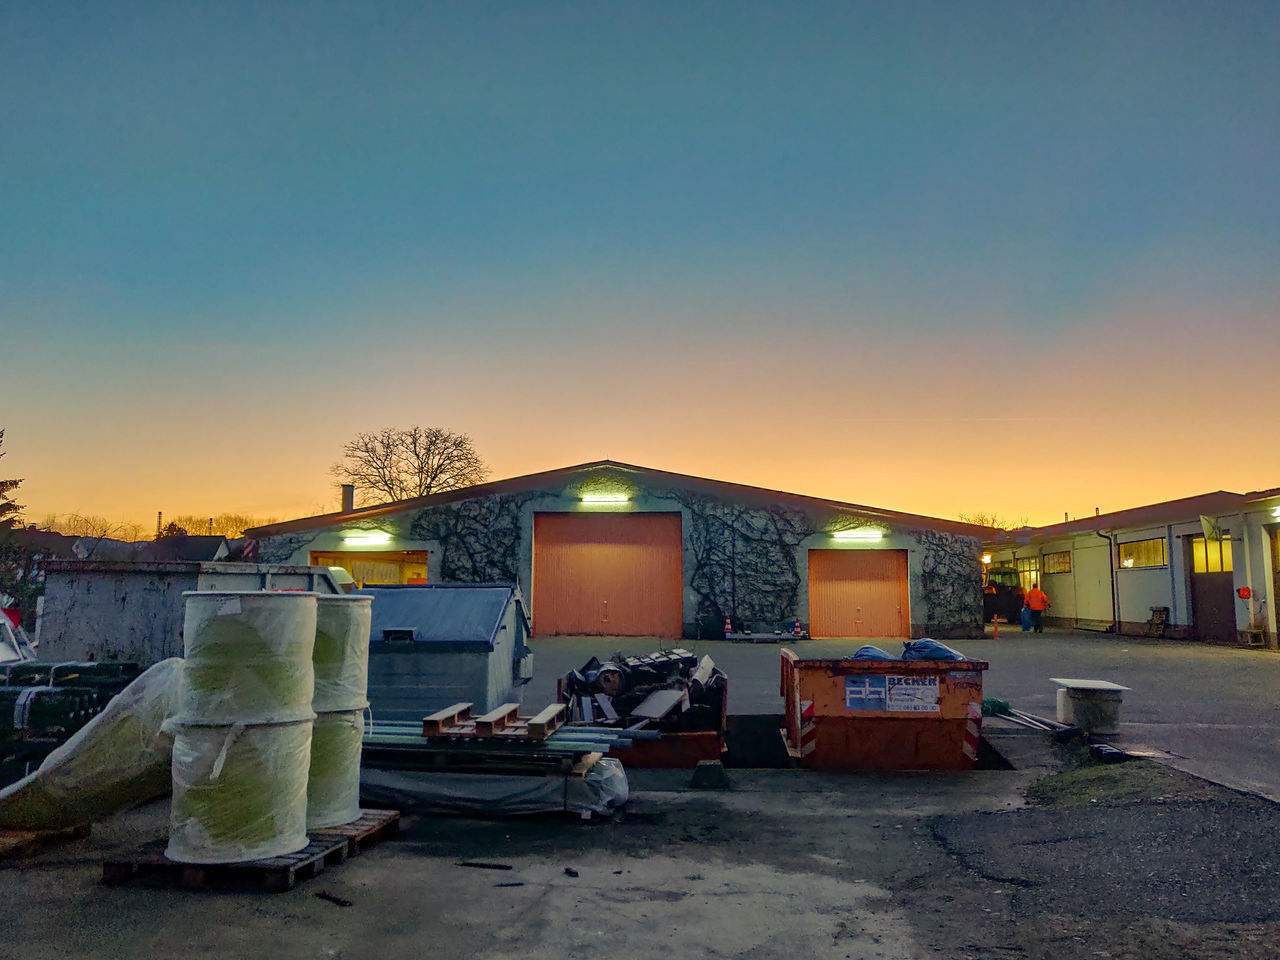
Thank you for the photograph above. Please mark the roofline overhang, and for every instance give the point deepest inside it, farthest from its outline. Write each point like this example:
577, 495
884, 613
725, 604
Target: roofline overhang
532, 481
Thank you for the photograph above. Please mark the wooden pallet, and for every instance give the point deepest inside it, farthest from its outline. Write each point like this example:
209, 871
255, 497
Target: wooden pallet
461, 756
504, 723
27, 843
327, 848
275, 874
373, 827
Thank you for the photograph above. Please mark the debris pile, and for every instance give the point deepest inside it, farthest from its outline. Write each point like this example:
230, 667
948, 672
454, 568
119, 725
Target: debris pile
670, 691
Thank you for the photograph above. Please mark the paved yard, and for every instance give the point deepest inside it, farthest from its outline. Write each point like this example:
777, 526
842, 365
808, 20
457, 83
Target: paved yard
1216, 710
1126, 862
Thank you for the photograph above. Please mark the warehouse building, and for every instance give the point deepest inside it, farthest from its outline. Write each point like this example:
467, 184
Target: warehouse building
1200, 568
609, 548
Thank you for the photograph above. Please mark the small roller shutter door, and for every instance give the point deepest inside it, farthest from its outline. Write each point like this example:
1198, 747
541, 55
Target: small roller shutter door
858, 593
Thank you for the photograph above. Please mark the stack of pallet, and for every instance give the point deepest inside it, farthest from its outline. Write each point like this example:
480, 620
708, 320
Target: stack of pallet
500, 741
494, 764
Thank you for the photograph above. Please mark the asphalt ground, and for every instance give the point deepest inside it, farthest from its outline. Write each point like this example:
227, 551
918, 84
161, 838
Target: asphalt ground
1211, 711
1126, 862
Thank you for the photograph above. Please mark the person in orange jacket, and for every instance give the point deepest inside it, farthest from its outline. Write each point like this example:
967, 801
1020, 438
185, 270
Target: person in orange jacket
1037, 601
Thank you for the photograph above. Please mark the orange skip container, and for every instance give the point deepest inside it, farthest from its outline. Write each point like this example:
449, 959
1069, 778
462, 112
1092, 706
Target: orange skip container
882, 714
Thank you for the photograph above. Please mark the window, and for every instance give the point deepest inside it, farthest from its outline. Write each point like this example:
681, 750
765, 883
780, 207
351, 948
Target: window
1028, 571
1143, 553
1002, 577
1211, 556
1057, 562
407, 566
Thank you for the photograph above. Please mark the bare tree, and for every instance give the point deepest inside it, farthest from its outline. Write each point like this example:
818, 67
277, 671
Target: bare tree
397, 463
222, 524
91, 526
984, 519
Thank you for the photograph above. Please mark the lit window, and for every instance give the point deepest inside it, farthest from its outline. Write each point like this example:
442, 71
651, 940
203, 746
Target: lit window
1143, 553
1057, 562
1028, 571
1211, 556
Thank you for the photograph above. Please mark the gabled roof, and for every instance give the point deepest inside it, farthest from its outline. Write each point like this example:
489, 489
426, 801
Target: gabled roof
185, 547
1186, 509
537, 481
443, 613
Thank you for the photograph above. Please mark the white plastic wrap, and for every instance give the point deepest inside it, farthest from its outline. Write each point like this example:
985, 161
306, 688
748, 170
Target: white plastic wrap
602, 789
117, 760
239, 792
333, 790
341, 654
248, 657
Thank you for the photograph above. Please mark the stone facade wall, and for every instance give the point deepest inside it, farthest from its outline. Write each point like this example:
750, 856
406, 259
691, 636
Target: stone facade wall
747, 561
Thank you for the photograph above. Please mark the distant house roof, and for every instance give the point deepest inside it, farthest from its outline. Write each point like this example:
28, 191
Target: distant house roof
185, 547
1214, 504
535, 481
443, 613
46, 543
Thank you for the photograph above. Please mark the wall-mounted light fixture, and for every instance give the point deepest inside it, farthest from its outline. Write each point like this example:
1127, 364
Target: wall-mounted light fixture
366, 538
605, 498
861, 535
986, 558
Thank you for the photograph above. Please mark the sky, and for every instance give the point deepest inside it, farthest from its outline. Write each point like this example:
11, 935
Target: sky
943, 258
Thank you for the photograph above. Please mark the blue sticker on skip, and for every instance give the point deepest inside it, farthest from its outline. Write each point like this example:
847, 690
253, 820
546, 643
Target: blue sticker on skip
865, 693
912, 694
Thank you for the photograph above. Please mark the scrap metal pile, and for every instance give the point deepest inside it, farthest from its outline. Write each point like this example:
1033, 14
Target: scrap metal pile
671, 691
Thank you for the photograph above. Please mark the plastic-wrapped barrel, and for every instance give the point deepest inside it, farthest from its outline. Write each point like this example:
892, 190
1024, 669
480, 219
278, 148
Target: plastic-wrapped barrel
341, 654
248, 657
239, 791
333, 791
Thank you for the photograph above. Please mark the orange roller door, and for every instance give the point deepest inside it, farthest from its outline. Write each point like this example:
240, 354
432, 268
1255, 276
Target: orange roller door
858, 593
607, 574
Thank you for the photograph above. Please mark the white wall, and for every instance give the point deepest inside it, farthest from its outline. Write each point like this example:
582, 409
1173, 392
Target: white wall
1091, 570
1138, 589
1253, 567
1061, 587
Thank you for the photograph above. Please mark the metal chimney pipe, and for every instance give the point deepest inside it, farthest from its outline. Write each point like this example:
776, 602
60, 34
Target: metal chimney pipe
348, 497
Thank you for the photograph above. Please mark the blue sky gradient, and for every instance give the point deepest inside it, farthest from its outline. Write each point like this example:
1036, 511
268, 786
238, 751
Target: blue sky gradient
490, 215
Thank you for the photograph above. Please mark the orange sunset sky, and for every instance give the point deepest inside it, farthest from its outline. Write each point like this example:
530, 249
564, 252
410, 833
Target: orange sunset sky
938, 258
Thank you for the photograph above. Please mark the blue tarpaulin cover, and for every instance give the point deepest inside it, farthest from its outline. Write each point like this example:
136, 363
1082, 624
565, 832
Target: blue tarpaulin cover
929, 650
870, 652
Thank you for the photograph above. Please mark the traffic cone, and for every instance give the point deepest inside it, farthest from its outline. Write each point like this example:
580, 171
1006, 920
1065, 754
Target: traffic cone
728, 627
795, 629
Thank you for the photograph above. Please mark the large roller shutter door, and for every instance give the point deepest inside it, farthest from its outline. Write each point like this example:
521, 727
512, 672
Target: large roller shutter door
858, 593
607, 574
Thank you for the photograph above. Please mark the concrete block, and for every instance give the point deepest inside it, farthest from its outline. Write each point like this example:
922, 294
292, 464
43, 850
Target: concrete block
709, 775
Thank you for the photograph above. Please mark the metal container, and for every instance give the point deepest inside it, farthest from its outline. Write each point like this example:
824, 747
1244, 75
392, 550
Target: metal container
248, 657
341, 655
239, 791
333, 787
882, 714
